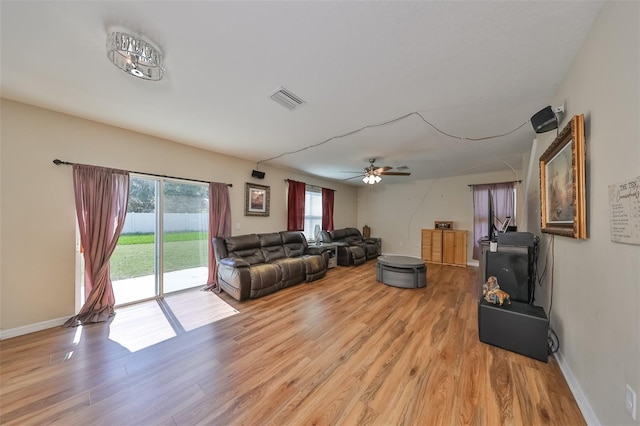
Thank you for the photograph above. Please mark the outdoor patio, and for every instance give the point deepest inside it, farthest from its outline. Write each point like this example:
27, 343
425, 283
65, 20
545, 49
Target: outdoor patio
139, 288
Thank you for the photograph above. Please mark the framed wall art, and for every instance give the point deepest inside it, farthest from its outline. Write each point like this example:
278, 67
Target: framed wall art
562, 183
256, 199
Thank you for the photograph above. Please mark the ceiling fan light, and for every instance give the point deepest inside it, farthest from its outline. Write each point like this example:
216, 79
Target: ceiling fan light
371, 179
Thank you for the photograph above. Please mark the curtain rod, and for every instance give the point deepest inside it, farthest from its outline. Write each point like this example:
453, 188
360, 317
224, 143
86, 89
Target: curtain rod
66, 163
314, 186
494, 183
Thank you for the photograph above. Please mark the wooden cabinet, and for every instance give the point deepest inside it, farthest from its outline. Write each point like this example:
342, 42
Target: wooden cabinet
446, 246
432, 245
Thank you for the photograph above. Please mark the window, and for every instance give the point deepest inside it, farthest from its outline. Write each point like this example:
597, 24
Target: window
312, 212
504, 204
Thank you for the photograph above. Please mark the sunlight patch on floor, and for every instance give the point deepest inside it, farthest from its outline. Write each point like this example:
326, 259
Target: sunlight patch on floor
195, 309
145, 324
139, 326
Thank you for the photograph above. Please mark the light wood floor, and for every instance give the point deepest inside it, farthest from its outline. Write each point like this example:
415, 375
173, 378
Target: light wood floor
342, 350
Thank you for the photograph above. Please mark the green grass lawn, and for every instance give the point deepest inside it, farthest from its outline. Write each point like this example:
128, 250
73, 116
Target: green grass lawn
134, 256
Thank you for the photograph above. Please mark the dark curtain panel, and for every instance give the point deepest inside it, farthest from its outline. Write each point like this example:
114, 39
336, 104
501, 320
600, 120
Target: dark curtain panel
327, 209
101, 197
504, 202
295, 209
219, 226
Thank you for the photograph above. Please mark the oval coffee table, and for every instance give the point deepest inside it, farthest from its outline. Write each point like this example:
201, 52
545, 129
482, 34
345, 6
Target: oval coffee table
401, 271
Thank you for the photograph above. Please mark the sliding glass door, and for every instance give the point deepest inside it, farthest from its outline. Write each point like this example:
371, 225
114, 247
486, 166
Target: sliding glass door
185, 224
134, 266
163, 247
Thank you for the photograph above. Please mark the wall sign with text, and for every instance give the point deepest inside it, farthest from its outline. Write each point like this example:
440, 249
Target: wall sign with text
624, 211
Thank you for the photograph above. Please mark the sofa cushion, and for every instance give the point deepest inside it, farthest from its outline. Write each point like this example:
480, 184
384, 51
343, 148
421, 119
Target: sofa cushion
293, 270
272, 248
264, 276
315, 267
353, 240
295, 243
245, 246
338, 234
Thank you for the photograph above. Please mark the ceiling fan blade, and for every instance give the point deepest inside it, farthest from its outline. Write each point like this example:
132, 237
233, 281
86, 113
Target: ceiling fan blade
348, 171
382, 169
395, 174
353, 177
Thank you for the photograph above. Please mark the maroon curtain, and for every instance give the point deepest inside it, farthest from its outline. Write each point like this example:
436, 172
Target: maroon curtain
503, 200
295, 209
327, 209
101, 196
219, 226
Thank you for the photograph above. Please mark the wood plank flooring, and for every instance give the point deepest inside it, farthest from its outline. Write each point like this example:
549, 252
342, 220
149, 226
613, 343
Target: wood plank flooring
344, 350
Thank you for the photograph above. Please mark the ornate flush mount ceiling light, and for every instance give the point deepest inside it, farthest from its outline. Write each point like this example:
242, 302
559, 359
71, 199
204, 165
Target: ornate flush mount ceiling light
135, 56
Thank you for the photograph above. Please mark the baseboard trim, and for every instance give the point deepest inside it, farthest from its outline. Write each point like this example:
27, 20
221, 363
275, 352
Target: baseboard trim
31, 328
583, 403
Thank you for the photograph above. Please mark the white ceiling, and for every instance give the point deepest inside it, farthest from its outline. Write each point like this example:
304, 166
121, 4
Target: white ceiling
473, 69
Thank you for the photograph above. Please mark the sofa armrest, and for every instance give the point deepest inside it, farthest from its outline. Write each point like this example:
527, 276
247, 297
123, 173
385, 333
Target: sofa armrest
315, 250
341, 243
234, 262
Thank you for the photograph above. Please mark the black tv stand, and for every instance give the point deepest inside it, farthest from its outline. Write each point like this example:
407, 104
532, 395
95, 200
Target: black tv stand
516, 327
519, 326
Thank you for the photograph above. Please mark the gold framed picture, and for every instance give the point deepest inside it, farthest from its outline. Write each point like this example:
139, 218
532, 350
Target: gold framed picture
256, 199
563, 183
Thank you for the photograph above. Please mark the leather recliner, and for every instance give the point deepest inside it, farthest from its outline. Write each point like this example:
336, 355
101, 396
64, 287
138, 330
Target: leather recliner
353, 249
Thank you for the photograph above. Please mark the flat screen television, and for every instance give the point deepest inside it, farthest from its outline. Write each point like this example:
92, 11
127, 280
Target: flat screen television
491, 231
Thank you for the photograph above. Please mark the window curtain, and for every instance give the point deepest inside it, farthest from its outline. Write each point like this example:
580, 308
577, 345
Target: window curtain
101, 197
327, 209
503, 200
295, 206
219, 226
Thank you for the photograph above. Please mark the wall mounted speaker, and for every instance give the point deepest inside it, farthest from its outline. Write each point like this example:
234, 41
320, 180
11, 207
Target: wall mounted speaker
544, 120
257, 174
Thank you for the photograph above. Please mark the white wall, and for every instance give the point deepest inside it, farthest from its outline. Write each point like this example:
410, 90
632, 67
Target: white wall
596, 283
397, 212
37, 266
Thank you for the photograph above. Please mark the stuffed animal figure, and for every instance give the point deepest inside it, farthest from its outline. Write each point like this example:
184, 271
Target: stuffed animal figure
492, 293
491, 284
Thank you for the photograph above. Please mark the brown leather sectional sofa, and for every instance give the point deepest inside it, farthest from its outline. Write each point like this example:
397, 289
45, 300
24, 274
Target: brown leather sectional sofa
353, 249
254, 265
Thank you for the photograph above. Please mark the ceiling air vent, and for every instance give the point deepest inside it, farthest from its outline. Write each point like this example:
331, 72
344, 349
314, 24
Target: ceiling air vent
287, 99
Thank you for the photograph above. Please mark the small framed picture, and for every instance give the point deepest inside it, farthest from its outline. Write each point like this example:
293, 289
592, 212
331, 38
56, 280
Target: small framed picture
256, 199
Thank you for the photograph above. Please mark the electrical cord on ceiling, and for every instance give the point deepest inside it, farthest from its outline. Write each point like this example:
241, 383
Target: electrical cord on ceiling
454, 173
386, 123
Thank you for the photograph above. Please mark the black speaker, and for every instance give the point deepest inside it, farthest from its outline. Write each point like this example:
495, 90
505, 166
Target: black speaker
517, 239
517, 327
544, 120
257, 174
513, 268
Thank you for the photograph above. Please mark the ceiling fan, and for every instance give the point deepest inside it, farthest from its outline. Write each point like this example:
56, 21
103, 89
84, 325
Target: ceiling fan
372, 173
